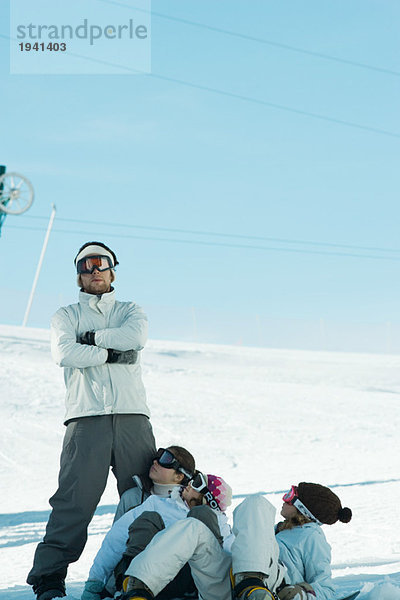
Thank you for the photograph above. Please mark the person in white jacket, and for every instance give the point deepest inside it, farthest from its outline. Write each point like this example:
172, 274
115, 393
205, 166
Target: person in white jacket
291, 561
171, 468
97, 341
183, 503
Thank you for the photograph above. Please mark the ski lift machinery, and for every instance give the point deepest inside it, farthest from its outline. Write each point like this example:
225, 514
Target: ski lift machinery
16, 193
16, 196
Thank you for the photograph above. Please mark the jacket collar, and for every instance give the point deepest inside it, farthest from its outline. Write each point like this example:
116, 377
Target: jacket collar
164, 490
100, 303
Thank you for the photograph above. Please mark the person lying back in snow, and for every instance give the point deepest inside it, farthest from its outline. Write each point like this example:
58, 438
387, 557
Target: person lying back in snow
291, 561
141, 523
171, 467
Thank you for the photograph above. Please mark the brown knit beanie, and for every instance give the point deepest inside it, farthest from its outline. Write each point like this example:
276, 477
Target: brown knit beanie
323, 503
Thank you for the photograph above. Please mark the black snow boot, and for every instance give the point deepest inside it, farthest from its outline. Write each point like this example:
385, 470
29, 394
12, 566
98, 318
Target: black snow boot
49, 587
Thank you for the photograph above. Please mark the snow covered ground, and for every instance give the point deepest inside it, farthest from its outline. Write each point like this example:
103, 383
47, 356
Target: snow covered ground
264, 419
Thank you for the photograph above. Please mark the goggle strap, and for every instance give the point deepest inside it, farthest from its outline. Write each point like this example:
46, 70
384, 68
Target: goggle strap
297, 503
210, 499
186, 473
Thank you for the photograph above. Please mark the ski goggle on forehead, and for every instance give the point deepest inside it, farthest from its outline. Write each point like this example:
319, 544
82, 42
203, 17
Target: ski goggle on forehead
291, 495
200, 484
89, 263
166, 459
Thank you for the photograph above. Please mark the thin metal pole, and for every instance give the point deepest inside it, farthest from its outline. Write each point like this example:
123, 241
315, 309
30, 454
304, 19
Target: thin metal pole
194, 324
46, 239
2, 213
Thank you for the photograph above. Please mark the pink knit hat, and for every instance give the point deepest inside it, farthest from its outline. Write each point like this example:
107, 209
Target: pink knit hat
221, 491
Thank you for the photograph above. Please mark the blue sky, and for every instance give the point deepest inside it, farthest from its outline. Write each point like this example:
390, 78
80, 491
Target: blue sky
227, 135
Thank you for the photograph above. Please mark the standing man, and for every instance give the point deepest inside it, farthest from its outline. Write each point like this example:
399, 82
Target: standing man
97, 341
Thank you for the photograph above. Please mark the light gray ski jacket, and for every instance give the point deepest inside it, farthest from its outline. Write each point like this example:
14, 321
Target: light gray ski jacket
95, 387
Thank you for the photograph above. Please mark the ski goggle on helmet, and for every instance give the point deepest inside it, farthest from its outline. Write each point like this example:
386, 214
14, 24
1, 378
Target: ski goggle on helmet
166, 459
200, 484
89, 263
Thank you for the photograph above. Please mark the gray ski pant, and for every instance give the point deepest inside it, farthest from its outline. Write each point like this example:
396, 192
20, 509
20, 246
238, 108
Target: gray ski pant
142, 531
188, 540
91, 445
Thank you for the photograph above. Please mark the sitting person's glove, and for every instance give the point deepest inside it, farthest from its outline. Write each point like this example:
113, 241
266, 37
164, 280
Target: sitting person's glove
299, 591
93, 590
87, 338
122, 357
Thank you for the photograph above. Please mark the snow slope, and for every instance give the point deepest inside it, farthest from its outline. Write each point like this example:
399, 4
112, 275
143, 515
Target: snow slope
262, 418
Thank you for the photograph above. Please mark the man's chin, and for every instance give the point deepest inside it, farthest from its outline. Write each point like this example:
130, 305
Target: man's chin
97, 289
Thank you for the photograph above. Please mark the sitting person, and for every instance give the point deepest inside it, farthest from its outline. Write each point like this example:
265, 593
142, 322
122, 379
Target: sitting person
291, 561
141, 523
172, 467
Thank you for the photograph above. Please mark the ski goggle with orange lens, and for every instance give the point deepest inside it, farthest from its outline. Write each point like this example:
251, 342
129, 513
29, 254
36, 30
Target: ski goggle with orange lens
291, 495
90, 263
166, 459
